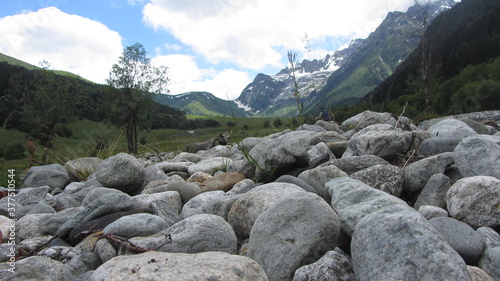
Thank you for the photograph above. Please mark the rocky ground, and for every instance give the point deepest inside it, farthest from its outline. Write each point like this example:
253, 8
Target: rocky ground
373, 198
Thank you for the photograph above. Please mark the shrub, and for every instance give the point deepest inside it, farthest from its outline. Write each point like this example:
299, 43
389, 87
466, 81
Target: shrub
246, 127
63, 131
15, 151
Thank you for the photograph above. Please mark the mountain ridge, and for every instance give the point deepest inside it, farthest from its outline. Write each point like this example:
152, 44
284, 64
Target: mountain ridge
359, 68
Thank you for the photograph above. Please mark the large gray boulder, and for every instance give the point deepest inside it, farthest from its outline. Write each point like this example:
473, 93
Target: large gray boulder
353, 200
178, 266
213, 202
381, 139
489, 262
295, 231
367, 118
136, 225
397, 243
105, 204
434, 192
195, 234
475, 201
274, 157
248, 207
418, 173
333, 266
318, 176
356, 163
437, 145
53, 175
478, 156
464, 239
451, 128
122, 171
387, 178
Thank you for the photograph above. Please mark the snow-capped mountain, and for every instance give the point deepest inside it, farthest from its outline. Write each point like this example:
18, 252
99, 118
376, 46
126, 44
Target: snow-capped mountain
267, 92
347, 75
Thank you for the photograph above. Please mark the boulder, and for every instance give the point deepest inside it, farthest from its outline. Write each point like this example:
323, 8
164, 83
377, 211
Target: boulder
478, 156
356, 163
478, 274
37, 268
250, 205
418, 173
333, 266
451, 128
50, 223
30, 195
437, 145
213, 202
178, 266
489, 262
122, 171
187, 190
434, 192
81, 168
299, 182
136, 225
320, 153
430, 212
6, 226
105, 204
295, 231
490, 236
381, 140
329, 126
353, 200
397, 243
367, 118
242, 187
144, 201
210, 165
53, 176
28, 227
318, 176
462, 238
195, 234
223, 181
475, 201
386, 178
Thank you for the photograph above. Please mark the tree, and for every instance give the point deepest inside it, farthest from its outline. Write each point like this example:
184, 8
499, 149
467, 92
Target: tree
137, 80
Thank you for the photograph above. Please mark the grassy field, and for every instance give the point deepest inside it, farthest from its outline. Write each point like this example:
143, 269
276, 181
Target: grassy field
101, 140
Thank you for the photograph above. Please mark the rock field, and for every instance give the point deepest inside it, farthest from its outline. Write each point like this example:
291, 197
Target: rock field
373, 198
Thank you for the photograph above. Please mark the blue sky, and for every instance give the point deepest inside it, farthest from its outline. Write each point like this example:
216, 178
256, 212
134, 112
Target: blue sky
209, 45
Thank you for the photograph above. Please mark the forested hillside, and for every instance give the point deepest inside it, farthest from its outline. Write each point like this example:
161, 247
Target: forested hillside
41, 103
455, 69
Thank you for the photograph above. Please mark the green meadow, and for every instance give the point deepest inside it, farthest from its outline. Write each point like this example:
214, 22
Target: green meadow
102, 140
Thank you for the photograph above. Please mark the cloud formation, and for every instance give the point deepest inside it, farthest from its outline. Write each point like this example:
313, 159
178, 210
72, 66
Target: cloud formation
186, 76
254, 34
68, 42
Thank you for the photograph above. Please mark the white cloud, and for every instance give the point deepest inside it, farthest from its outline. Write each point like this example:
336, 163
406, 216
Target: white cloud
186, 76
253, 34
69, 42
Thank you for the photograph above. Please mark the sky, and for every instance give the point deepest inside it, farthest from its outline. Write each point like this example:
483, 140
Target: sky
217, 46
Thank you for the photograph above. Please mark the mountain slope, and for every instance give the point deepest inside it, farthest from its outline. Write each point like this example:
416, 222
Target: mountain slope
16, 62
383, 50
201, 103
273, 95
344, 77
464, 76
